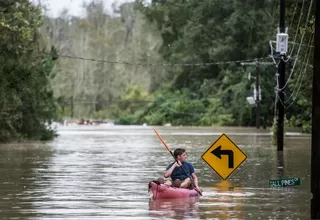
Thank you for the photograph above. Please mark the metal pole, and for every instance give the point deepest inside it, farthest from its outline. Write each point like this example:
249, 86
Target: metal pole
315, 148
282, 70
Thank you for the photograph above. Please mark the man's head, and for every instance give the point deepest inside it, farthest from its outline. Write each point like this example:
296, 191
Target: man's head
180, 154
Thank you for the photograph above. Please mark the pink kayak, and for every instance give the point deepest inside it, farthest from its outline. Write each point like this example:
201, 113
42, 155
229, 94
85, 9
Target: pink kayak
162, 191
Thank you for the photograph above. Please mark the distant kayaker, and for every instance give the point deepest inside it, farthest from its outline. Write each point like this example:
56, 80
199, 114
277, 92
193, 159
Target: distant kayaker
181, 173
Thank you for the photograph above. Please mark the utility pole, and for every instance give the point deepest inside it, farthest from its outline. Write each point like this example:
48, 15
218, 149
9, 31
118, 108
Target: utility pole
258, 109
281, 72
257, 90
315, 148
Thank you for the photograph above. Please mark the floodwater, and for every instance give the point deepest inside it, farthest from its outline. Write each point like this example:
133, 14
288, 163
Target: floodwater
102, 172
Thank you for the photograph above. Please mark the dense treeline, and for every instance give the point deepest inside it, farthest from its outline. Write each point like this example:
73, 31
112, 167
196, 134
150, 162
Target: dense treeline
211, 37
219, 31
168, 61
90, 87
26, 99
209, 32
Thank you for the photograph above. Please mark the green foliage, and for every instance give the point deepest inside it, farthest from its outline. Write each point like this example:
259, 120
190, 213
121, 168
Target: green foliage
215, 114
128, 109
26, 98
179, 108
210, 31
119, 40
179, 31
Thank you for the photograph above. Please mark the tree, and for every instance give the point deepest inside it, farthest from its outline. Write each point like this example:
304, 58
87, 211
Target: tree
200, 32
112, 48
26, 97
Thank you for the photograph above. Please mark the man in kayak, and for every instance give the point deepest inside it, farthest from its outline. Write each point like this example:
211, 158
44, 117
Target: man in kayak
181, 173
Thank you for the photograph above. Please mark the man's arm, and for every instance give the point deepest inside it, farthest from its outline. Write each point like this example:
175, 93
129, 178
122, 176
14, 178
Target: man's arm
195, 180
169, 171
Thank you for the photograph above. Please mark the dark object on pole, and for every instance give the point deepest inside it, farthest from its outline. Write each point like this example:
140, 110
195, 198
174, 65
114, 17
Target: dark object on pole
281, 70
315, 148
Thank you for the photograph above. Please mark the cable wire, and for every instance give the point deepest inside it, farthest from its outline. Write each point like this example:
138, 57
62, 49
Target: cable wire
300, 80
302, 37
147, 64
298, 27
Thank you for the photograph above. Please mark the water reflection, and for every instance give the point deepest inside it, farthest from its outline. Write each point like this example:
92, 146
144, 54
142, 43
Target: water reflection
280, 164
223, 201
180, 208
18, 175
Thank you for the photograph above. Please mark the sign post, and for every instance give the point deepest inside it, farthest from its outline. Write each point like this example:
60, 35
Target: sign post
224, 157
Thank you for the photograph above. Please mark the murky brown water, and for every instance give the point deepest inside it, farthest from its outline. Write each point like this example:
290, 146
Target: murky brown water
101, 172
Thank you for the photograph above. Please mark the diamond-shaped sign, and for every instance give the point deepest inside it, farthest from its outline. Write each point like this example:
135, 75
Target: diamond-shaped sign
224, 157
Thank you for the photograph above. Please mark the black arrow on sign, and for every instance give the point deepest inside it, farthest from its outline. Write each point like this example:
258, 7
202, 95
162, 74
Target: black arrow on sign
218, 152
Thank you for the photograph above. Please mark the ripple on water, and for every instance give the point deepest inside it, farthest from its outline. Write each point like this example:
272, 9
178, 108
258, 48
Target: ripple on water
103, 172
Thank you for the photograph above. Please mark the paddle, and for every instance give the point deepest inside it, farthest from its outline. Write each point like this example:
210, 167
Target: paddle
164, 143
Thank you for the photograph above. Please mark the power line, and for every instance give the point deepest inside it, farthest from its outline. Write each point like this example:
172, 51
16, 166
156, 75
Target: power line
159, 100
145, 64
294, 12
294, 64
132, 101
296, 90
298, 26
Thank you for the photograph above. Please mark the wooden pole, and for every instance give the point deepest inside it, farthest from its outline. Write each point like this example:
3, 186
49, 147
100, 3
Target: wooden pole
282, 70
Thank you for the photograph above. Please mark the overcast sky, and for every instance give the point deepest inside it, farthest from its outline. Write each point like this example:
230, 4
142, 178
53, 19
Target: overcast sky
74, 6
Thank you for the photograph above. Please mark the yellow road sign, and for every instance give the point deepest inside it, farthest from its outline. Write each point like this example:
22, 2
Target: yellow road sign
224, 156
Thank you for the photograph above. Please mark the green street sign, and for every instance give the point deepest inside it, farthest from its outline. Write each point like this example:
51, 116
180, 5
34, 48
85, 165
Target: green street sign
284, 182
